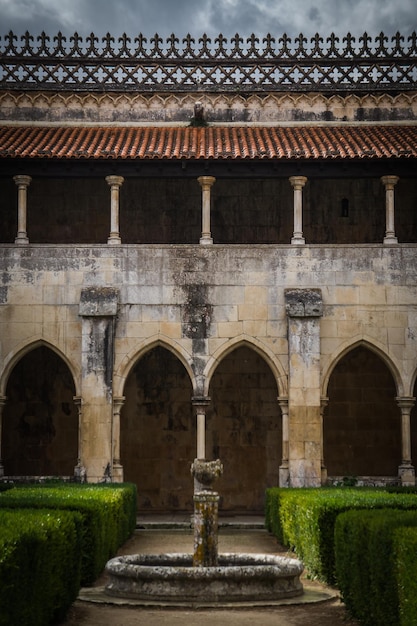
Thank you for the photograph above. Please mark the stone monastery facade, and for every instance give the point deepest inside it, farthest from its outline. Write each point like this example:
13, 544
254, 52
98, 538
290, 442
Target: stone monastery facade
208, 249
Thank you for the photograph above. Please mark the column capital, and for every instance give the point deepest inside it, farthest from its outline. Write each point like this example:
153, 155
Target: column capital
200, 401
118, 402
206, 181
283, 403
390, 181
115, 180
298, 182
405, 403
324, 401
22, 179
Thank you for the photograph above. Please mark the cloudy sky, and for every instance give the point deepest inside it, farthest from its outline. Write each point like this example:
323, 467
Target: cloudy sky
208, 16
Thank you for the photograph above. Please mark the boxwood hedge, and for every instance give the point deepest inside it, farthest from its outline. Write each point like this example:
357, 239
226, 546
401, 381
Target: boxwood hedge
108, 516
376, 565
40, 556
304, 519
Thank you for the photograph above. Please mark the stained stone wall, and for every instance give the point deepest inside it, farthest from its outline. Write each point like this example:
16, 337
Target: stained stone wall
202, 303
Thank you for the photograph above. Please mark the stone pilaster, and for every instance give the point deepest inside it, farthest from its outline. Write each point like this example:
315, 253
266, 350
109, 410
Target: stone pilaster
406, 471
206, 182
22, 183
389, 183
115, 183
98, 309
304, 308
298, 183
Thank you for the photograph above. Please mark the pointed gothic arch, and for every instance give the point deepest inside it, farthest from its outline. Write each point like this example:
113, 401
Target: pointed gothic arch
244, 426
157, 430
362, 420
40, 418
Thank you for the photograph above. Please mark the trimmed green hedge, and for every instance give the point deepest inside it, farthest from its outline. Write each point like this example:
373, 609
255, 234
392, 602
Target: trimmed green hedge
405, 550
304, 519
375, 568
40, 556
108, 513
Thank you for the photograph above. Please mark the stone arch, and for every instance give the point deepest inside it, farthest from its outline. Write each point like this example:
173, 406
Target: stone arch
362, 420
269, 357
131, 358
157, 429
40, 417
373, 346
34, 342
244, 426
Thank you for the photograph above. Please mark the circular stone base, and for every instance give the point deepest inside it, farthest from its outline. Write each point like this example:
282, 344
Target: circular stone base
171, 578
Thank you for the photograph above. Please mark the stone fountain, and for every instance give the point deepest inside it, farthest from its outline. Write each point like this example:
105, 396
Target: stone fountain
205, 577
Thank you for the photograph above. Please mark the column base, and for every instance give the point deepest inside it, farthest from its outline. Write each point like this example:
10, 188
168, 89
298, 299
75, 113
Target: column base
323, 475
21, 241
297, 241
407, 475
114, 241
390, 240
117, 473
284, 476
206, 241
80, 473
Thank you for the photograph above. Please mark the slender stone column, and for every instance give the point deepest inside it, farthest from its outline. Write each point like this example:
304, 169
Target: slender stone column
298, 183
2, 405
22, 183
200, 404
304, 308
389, 182
117, 468
98, 310
115, 183
284, 474
324, 402
80, 472
406, 470
206, 183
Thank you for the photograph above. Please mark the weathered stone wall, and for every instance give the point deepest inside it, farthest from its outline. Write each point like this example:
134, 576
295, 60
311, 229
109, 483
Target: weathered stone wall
244, 211
200, 302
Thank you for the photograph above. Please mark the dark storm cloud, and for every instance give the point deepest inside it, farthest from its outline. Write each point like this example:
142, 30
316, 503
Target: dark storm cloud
208, 16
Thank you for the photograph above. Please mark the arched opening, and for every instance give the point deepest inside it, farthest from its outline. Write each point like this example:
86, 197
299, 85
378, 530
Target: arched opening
362, 422
40, 419
157, 432
244, 430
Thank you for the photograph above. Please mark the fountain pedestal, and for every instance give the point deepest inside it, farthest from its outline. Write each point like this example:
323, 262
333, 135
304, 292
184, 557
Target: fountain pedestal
206, 512
204, 578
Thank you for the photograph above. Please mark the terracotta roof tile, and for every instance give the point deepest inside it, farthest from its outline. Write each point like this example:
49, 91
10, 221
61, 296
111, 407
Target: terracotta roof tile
221, 142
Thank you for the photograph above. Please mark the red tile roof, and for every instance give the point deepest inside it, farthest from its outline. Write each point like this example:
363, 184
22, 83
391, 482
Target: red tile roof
214, 142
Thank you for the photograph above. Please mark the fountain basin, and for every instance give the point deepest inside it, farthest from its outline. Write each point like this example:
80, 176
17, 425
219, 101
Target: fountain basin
172, 578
